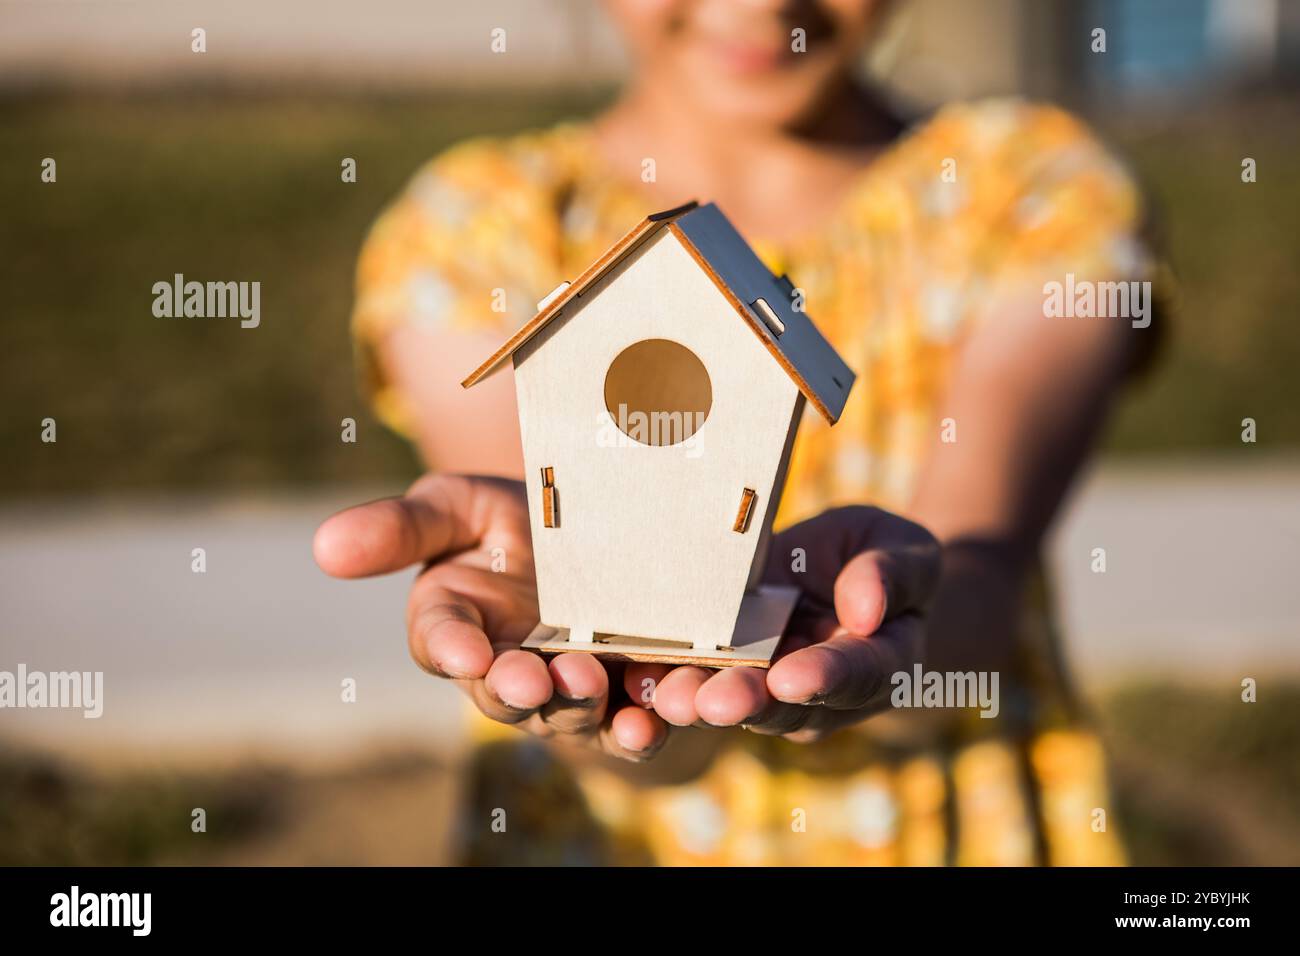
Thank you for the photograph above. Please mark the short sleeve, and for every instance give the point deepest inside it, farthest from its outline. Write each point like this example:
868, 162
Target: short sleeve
470, 244
1070, 204
1050, 201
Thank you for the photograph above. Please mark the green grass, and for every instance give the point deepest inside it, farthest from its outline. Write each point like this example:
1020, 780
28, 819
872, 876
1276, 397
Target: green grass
237, 187
215, 188
52, 814
1202, 777
1199, 778
1235, 346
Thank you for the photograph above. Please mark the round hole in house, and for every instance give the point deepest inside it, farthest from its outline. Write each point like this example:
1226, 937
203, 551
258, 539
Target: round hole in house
658, 392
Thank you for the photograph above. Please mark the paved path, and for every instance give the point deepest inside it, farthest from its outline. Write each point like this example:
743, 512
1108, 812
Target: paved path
1200, 583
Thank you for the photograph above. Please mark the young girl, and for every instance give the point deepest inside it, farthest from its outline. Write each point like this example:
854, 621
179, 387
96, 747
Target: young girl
923, 252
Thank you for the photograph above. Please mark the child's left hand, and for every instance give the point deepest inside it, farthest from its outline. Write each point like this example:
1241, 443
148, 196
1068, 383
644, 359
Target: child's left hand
865, 575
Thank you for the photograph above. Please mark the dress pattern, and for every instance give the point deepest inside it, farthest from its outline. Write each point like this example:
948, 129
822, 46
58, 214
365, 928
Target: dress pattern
979, 200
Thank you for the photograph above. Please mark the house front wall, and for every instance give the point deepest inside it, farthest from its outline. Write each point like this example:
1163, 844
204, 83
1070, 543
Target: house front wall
643, 543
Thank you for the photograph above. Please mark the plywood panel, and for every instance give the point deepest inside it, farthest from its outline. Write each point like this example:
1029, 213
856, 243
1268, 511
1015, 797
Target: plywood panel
800, 348
645, 545
764, 615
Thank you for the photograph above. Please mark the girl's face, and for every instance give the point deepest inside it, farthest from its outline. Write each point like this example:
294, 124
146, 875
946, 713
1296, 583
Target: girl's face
765, 62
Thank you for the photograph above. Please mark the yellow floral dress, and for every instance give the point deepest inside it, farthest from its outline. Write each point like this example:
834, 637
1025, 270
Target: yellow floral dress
980, 196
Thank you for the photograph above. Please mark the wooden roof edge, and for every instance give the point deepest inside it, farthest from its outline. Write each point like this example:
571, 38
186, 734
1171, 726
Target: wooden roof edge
779, 356
641, 231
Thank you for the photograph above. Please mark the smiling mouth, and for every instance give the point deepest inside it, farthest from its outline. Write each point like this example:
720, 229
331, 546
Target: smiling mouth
742, 57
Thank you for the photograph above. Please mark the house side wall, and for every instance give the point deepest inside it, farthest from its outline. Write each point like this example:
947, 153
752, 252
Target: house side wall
644, 545
778, 487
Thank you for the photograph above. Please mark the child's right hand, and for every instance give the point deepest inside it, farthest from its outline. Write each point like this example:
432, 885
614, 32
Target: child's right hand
471, 534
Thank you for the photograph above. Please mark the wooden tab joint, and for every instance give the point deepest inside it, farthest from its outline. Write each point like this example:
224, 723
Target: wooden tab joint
747, 499
550, 503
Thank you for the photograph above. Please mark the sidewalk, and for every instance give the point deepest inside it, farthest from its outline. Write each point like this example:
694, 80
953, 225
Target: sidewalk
1200, 580
1200, 561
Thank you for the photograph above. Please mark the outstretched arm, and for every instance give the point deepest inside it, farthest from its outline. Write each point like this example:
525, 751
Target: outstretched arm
1029, 395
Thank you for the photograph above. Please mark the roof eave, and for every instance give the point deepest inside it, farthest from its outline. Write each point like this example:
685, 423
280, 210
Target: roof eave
616, 253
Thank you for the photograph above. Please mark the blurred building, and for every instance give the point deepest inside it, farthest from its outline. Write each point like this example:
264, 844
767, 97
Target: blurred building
943, 49
933, 49
384, 43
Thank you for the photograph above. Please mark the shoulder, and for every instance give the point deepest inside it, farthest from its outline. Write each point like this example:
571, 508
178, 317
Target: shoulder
474, 226
483, 190
488, 206
532, 164
1008, 151
998, 121
1019, 133
995, 183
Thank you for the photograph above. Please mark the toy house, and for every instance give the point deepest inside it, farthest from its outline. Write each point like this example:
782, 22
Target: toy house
659, 396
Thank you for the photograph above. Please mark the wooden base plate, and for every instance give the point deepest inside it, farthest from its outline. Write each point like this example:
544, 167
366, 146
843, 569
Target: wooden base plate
763, 616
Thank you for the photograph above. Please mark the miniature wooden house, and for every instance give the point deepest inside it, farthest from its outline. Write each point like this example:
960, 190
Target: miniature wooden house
659, 395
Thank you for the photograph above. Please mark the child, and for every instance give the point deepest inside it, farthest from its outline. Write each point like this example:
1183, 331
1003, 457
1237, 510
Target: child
922, 252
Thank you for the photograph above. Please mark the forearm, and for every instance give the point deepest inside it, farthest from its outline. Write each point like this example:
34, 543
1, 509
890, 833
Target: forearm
471, 431
1028, 399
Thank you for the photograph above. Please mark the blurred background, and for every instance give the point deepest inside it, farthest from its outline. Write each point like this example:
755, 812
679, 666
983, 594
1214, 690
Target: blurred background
223, 688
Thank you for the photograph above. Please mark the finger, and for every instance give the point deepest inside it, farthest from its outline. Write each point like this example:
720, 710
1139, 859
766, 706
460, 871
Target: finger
634, 734
739, 696
848, 671
445, 632
581, 694
779, 719
907, 567
674, 695
393, 533
516, 686
732, 696
641, 682
806, 627
506, 604
886, 582
819, 722
861, 593
579, 677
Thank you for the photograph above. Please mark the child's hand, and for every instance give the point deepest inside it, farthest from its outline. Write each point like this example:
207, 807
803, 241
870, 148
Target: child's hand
863, 572
866, 574
472, 536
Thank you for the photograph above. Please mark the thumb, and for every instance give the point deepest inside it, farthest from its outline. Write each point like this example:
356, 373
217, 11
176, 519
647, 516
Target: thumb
883, 583
861, 594
393, 533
